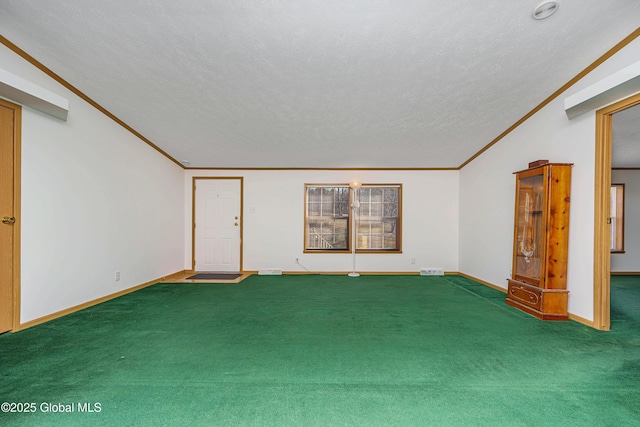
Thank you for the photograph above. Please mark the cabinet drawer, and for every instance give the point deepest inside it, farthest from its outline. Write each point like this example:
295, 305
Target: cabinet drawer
530, 296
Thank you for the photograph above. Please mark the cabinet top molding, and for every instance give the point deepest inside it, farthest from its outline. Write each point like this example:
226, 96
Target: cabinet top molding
543, 165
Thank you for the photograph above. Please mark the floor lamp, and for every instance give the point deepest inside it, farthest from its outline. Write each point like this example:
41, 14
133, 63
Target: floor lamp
355, 204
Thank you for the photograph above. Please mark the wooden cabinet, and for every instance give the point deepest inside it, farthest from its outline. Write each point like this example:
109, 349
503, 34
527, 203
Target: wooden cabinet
541, 239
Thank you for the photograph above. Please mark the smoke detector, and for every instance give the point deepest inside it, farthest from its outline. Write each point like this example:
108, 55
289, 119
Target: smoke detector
545, 9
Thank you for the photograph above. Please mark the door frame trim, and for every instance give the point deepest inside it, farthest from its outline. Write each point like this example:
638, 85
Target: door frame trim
602, 253
193, 215
17, 173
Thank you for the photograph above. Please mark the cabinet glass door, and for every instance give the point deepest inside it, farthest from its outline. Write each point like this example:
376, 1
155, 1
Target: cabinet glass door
529, 232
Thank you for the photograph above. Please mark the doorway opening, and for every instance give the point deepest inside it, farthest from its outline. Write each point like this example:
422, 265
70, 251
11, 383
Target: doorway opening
602, 232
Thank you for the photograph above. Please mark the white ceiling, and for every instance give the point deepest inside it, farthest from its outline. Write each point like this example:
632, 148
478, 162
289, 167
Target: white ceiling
317, 84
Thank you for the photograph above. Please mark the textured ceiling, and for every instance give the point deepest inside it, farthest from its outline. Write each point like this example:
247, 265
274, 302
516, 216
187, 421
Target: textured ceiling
322, 84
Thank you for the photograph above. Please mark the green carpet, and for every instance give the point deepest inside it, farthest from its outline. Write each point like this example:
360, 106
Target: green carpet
324, 351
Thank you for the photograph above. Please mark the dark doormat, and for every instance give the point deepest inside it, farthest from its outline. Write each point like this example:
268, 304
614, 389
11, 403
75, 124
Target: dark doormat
214, 276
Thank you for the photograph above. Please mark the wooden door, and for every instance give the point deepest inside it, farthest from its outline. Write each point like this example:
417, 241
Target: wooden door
9, 154
217, 224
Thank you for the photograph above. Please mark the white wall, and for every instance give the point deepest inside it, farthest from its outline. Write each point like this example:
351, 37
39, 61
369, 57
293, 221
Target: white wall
629, 261
274, 233
487, 190
95, 200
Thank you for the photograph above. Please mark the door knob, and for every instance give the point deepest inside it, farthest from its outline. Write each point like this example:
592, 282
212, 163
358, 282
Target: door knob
8, 220
236, 224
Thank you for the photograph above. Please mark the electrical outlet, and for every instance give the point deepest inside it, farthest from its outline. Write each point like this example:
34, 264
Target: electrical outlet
117, 276
413, 260
297, 260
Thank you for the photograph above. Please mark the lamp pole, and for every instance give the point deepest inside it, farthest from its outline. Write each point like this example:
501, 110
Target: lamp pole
355, 204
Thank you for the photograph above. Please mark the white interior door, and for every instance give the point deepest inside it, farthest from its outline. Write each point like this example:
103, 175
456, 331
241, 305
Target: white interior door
217, 224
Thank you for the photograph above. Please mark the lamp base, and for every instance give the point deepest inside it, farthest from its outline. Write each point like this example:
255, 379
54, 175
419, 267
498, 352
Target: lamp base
354, 274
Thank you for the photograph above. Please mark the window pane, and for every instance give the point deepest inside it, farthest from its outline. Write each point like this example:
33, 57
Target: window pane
327, 218
391, 196
376, 194
377, 218
617, 218
375, 210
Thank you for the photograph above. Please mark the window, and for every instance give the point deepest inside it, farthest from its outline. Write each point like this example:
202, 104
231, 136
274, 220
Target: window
327, 217
377, 218
328, 220
617, 218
